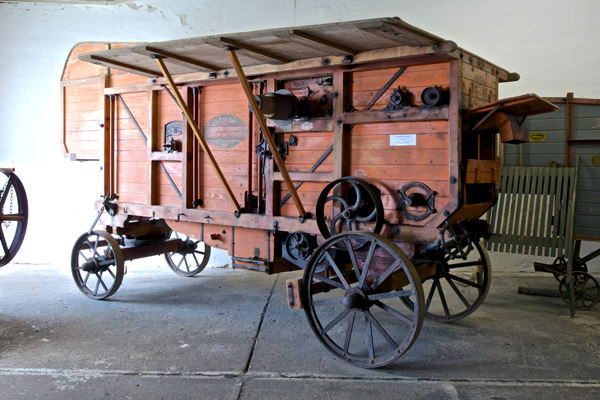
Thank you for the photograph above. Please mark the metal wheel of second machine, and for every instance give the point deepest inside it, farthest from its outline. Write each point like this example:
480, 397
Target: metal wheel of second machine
360, 204
13, 215
191, 259
586, 288
97, 265
354, 312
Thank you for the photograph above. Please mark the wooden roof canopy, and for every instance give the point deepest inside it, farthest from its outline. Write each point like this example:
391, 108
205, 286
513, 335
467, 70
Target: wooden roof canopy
274, 50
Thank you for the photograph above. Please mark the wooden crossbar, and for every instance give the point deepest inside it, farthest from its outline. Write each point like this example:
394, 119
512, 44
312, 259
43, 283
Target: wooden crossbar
535, 211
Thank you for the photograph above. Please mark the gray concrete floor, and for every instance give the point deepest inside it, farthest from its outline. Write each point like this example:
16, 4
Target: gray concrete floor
228, 334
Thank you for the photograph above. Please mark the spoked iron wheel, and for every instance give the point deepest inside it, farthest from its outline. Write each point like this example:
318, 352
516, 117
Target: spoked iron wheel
13, 215
97, 265
353, 304
586, 288
459, 286
354, 203
191, 258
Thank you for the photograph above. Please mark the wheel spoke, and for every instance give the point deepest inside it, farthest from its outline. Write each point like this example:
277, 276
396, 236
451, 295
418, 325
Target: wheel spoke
97, 285
83, 255
349, 332
353, 258
442, 297
101, 281
430, 296
328, 302
187, 266
328, 281
389, 295
195, 259
385, 275
336, 320
180, 262
465, 281
12, 217
393, 312
337, 271
383, 332
7, 189
458, 293
111, 274
370, 338
465, 264
3, 240
361, 281
590, 297
87, 276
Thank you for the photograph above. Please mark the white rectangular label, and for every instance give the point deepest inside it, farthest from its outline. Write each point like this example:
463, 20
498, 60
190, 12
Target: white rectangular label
403, 140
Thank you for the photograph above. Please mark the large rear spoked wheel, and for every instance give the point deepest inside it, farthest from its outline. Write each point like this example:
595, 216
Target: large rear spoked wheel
459, 286
13, 215
353, 303
97, 265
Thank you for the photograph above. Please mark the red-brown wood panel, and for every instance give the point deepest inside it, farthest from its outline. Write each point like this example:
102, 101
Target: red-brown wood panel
83, 112
131, 151
365, 84
224, 119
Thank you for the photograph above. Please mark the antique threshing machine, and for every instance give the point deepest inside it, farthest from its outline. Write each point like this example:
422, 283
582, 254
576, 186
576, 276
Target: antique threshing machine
362, 152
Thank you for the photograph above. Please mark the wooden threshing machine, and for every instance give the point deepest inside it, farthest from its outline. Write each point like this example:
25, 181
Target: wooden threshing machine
362, 152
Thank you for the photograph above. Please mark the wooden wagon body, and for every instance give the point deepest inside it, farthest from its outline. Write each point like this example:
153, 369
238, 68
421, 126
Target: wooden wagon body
379, 127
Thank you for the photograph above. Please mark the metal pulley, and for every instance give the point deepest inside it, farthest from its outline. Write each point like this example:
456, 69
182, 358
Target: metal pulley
434, 97
281, 107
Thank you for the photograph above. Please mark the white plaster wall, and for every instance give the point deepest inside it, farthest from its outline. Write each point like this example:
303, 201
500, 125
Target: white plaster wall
551, 43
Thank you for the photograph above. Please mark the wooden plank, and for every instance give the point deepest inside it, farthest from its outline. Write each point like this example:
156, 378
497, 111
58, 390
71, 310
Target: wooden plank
524, 215
119, 65
311, 41
544, 205
480, 171
532, 216
551, 209
253, 52
530, 104
397, 34
381, 116
198, 134
176, 59
508, 204
570, 122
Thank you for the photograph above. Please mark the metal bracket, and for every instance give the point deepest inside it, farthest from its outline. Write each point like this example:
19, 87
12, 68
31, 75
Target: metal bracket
483, 119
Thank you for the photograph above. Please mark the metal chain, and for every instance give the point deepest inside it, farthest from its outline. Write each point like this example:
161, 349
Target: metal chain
12, 191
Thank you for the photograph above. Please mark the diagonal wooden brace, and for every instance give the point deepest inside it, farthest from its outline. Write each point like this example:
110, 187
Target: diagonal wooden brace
267, 133
197, 132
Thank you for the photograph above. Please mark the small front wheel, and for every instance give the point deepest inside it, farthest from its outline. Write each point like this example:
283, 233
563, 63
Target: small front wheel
97, 265
192, 257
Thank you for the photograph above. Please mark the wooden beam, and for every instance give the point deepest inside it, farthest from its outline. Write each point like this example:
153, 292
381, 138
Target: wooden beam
318, 43
263, 54
266, 132
194, 125
177, 59
395, 33
570, 109
123, 67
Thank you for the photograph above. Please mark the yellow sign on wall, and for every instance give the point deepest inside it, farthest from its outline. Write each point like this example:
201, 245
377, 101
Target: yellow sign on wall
537, 137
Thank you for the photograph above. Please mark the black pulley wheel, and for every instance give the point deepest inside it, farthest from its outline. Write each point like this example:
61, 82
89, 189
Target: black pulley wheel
359, 208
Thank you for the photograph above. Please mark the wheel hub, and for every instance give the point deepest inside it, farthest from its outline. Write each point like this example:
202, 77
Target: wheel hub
355, 299
349, 213
188, 246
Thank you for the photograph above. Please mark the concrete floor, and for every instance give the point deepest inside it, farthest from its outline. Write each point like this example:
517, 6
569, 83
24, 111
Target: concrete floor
228, 334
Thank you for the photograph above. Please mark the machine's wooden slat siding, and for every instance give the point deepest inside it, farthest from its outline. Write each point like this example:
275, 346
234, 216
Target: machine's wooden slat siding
168, 111
130, 149
83, 112
478, 86
365, 84
215, 101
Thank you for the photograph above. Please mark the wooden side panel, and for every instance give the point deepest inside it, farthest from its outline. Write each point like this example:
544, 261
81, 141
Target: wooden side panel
83, 113
130, 148
365, 84
224, 119
390, 167
478, 86
167, 111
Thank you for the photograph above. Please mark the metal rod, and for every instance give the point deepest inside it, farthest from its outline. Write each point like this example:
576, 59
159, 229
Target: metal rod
146, 142
312, 169
384, 88
198, 134
266, 132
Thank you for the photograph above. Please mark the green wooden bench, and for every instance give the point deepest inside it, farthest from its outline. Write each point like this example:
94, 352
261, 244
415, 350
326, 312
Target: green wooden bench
535, 215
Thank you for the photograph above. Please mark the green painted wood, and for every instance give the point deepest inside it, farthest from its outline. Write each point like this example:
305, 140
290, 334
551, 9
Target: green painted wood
509, 205
550, 209
534, 208
524, 214
542, 215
